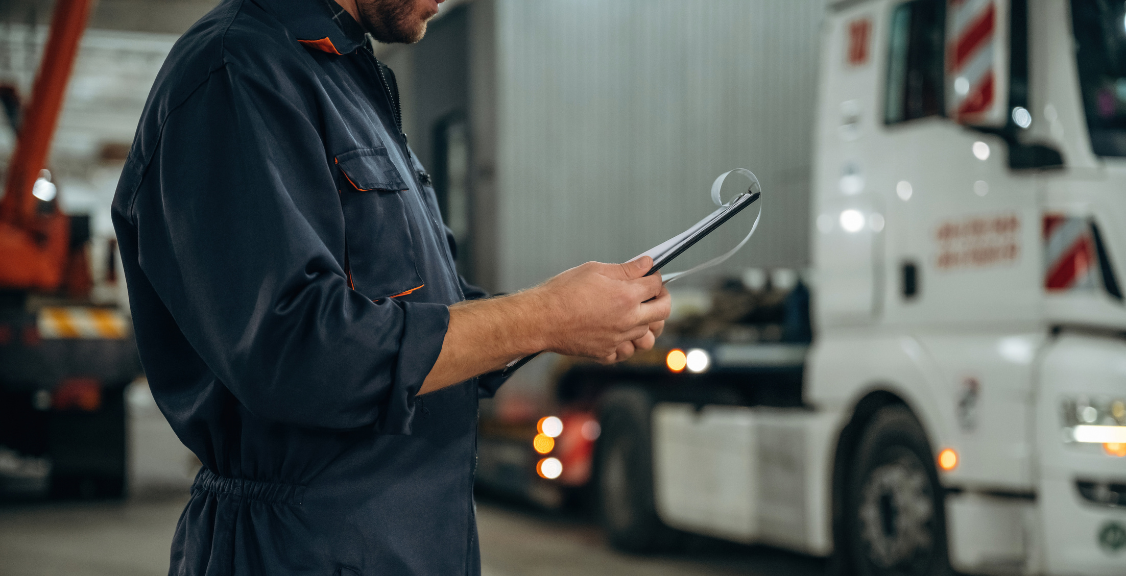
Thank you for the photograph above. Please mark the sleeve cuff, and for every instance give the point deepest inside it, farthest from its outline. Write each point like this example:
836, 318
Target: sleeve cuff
424, 331
488, 384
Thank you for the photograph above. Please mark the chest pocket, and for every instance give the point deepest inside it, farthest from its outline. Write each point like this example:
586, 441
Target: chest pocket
381, 255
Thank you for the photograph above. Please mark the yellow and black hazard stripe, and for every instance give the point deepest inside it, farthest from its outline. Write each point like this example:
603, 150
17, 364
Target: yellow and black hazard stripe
81, 322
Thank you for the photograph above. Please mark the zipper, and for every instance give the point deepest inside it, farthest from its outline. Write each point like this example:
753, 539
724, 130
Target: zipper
392, 96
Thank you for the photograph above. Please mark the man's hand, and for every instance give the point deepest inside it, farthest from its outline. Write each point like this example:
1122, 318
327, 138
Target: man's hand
604, 311
601, 311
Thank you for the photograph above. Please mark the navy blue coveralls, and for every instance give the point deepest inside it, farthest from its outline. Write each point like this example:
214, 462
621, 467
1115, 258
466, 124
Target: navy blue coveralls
290, 277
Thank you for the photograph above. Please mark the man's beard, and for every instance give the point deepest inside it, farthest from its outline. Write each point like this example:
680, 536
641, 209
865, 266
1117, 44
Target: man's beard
393, 21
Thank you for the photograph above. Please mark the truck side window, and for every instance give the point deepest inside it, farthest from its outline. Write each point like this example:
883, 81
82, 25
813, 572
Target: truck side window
916, 61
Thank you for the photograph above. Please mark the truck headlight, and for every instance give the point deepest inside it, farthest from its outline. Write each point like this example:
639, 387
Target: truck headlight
1096, 420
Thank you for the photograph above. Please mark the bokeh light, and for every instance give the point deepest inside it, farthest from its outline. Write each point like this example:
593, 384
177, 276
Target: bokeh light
948, 459
549, 468
543, 443
676, 360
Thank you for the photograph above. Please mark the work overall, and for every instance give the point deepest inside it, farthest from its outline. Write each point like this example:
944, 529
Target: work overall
289, 278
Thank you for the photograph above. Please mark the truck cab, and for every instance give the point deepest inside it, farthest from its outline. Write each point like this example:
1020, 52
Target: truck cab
969, 251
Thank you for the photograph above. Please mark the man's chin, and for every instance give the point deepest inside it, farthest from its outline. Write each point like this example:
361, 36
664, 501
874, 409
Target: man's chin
416, 32
417, 29
421, 26
401, 35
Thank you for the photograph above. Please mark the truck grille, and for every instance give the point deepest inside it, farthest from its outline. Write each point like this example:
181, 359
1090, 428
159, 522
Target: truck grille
1111, 494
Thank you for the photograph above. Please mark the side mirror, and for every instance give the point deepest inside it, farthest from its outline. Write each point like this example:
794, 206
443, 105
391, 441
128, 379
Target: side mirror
977, 62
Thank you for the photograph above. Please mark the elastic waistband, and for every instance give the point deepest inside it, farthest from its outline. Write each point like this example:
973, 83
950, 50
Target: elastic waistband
208, 481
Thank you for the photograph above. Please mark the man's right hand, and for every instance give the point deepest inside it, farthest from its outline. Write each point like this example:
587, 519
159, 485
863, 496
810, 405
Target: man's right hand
604, 311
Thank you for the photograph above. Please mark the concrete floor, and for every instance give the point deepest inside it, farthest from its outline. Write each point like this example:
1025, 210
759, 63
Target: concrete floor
132, 538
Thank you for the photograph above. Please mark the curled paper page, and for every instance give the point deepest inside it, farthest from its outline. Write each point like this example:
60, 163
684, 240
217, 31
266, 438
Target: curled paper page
666, 251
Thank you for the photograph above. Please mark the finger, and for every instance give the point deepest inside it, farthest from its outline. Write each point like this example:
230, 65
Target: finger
656, 309
657, 328
646, 342
636, 333
635, 268
624, 351
654, 284
646, 288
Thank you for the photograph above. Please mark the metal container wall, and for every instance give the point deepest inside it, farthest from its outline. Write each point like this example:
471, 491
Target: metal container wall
613, 118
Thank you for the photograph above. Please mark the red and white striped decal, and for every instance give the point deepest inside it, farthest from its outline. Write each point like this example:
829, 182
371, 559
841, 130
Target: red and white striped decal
1069, 254
970, 56
859, 31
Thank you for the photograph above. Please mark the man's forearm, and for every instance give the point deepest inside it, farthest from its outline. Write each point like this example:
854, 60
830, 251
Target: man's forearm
486, 335
600, 311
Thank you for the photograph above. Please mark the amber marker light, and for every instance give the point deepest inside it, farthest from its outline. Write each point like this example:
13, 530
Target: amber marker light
1115, 449
948, 459
543, 443
676, 360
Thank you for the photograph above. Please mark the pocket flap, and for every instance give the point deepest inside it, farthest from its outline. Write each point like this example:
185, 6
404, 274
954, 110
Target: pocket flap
371, 169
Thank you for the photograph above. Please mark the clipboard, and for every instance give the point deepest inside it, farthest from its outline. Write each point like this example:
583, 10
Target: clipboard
668, 250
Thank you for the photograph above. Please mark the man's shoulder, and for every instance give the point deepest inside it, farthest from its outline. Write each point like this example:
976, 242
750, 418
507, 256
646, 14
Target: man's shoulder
235, 33
238, 37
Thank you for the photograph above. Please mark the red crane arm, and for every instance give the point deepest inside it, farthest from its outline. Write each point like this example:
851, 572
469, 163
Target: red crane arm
38, 126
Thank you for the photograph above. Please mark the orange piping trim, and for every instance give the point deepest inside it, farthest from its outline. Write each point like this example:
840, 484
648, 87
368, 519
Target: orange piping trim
354, 184
407, 292
324, 45
348, 269
337, 161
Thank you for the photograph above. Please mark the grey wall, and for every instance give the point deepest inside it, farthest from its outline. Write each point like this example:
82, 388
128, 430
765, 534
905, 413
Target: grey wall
613, 118
451, 73
440, 79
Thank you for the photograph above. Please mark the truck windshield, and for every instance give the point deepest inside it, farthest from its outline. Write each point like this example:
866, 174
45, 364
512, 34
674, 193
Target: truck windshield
1100, 36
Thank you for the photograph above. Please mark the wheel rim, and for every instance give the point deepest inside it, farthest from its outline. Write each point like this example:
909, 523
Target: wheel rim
896, 513
615, 485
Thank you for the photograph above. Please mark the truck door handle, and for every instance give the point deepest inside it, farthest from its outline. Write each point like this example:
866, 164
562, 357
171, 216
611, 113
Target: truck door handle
909, 279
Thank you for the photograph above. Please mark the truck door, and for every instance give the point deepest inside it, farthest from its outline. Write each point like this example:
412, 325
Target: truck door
962, 232
847, 239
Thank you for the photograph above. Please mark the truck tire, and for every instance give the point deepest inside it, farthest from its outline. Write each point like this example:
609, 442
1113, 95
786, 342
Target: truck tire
895, 514
624, 461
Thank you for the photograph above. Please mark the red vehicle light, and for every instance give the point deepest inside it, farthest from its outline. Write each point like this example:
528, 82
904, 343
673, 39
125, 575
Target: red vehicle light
77, 394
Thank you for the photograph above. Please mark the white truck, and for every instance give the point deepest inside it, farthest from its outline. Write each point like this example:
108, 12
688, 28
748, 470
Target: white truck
962, 402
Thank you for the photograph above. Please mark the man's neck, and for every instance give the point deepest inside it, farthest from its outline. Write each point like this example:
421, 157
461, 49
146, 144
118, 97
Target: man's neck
350, 7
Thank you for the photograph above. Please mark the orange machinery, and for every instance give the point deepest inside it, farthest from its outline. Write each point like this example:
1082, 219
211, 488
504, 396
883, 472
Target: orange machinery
64, 362
35, 237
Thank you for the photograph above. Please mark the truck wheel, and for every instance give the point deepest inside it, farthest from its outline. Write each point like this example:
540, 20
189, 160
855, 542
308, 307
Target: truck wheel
895, 513
625, 474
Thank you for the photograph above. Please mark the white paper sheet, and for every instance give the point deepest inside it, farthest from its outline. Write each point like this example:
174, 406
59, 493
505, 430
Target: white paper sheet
672, 243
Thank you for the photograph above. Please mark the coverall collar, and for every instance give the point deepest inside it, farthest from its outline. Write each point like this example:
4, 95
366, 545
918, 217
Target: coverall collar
318, 24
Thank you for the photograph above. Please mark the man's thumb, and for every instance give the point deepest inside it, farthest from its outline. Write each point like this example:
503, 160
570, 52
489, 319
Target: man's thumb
637, 267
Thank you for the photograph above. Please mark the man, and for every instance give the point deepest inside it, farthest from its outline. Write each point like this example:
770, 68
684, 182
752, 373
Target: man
297, 307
